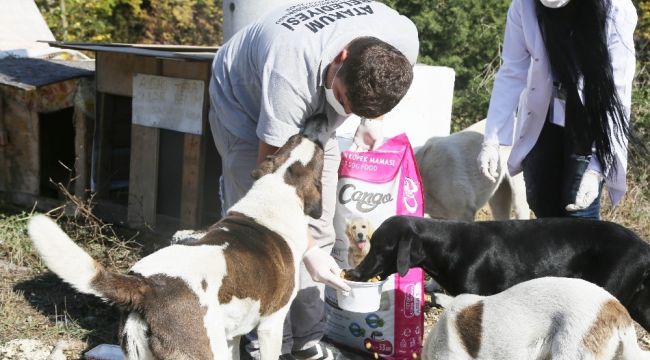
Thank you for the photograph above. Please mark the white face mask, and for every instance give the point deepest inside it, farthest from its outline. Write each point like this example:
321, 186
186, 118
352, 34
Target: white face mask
331, 98
554, 4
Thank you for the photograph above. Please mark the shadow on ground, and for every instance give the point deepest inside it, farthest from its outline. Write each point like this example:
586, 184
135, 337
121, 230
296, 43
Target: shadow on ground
63, 305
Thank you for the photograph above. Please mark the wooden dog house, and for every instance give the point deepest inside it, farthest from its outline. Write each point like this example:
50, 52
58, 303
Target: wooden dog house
154, 160
46, 116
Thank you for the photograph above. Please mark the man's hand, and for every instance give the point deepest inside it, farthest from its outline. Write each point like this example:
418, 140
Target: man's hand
488, 161
369, 135
323, 268
588, 190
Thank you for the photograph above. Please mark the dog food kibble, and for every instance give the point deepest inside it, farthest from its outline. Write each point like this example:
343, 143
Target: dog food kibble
376, 356
344, 275
368, 345
414, 356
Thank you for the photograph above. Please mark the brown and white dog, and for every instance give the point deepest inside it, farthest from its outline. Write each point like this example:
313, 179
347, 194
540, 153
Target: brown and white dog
359, 231
545, 318
194, 300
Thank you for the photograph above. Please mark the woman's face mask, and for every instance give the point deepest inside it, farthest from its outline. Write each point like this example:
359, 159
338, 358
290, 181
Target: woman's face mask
331, 98
554, 4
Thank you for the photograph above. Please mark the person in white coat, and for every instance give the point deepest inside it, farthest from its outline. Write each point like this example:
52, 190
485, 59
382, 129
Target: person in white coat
562, 99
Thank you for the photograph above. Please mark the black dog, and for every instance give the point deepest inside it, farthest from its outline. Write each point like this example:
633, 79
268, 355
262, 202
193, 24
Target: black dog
487, 257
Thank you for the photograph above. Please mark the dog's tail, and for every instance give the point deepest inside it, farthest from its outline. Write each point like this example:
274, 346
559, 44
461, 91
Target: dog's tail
72, 264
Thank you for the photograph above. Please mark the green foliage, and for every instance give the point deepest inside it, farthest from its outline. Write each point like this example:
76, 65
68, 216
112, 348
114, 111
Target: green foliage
92, 21
179, 22
196, 22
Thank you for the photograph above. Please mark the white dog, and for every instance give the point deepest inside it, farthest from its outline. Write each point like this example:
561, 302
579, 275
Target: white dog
454, 187
544, 318
194, 300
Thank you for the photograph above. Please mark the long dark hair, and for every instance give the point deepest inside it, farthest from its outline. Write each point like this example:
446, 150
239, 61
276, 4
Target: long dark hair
575, 37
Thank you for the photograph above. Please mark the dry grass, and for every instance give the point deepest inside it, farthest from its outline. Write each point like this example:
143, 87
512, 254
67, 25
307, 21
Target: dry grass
35, 304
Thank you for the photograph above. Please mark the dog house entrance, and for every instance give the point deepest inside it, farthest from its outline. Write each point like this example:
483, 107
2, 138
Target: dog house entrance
57, 155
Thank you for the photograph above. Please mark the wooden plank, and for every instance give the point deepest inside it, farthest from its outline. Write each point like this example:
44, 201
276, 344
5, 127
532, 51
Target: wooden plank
22, 149
187, 70
192, 181
104, 113
39, 203
174, 52
82, 145
115, 71
143, 176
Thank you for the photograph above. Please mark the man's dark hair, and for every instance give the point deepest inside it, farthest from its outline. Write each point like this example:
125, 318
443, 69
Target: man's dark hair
376, 75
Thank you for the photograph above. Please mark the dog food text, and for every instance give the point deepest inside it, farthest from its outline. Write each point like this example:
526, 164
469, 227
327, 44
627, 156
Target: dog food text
366, 201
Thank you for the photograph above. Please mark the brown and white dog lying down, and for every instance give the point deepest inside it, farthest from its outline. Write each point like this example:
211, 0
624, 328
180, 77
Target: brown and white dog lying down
545, 318
194, 300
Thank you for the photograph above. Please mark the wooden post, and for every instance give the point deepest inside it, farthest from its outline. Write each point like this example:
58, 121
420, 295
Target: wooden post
81, 145
143, 176
103, 166
192, 181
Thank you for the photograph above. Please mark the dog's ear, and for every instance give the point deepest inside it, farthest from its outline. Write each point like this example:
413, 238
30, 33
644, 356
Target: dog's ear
348, 230
314, 201
371, 230
308, 187
409, 252
267, 166
404, 255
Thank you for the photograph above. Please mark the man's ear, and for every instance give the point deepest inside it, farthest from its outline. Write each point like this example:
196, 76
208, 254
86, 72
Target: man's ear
341, 56
404, 255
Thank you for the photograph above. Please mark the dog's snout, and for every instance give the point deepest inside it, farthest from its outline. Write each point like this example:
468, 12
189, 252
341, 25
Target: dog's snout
360, 236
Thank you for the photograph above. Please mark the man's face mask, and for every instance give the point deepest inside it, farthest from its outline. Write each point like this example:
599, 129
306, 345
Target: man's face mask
331, 98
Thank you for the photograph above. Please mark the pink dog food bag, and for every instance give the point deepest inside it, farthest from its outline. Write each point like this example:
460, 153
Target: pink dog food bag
372, 187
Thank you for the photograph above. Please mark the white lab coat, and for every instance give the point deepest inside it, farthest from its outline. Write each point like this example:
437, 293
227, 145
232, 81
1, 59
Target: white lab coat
524, 84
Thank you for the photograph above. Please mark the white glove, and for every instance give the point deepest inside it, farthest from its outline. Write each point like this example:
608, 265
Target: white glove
488, 161
369, 135
587, 191
323, 268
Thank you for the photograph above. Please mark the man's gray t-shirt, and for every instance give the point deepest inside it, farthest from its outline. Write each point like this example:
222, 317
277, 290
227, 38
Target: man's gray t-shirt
269, 76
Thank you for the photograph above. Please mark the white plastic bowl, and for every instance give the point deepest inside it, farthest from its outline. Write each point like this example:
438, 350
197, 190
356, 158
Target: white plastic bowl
363, 298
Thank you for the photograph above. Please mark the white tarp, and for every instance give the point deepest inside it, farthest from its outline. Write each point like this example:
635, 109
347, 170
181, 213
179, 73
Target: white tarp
425, 110
21, 26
